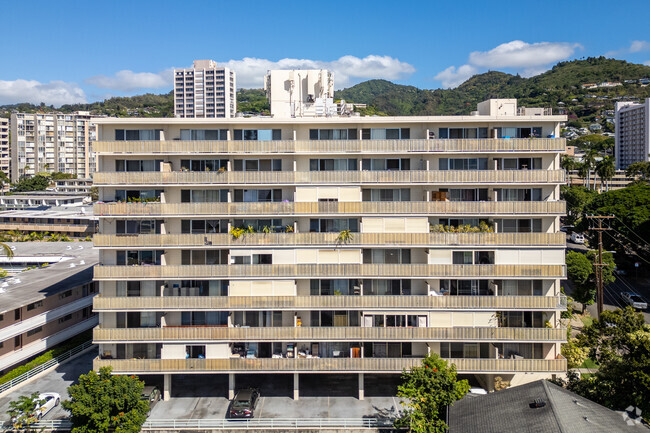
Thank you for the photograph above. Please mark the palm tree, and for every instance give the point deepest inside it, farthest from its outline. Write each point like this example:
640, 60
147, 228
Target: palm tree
590, 161
583, 170
606, 170
7, 250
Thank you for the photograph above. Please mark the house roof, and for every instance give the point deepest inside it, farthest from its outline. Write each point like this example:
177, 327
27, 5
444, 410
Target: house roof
510, 410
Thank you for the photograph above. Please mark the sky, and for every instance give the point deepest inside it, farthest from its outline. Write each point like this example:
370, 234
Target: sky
84, 51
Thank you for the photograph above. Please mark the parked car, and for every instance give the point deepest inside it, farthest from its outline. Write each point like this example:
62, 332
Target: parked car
243, 405
47, 402
577, 238
477, 390
150, 394
634, 300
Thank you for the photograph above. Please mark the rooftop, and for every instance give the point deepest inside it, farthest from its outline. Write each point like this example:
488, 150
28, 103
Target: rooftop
511, 410
70, 264
72, 212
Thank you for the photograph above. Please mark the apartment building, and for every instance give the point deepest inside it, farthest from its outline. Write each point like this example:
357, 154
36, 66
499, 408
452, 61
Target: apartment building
347, 246
300, 93
45, 306
74, 221
632, 133
5, 158
205, 91
52, 142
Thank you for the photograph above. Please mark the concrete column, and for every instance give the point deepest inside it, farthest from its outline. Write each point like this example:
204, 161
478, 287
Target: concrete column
294, 135
228, 166
295, 165
228, 137
167, 387
428, 137
362, 390
296, 386
231, 386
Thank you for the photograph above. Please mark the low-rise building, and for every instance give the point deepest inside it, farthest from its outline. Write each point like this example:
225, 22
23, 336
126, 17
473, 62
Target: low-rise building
42, 307
70, 221
34, 199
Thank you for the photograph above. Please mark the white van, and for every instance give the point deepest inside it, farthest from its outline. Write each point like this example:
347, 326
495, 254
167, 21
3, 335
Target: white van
577, 238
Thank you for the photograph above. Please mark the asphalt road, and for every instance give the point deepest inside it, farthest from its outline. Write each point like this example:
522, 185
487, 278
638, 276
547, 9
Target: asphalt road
56, 380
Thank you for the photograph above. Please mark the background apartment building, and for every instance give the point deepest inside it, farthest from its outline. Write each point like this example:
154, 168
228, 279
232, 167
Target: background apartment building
42, 307
52, 142
205, 91
632, 133
5, 156
300, 93
325, 245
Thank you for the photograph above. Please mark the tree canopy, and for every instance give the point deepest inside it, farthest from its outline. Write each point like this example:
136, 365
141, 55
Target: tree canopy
103, 402
34, 183
582, 272
427, 390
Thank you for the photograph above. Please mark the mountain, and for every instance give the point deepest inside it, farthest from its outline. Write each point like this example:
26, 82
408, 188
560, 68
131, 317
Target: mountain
562, 84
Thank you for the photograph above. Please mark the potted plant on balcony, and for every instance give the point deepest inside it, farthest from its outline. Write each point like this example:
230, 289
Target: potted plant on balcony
344, 237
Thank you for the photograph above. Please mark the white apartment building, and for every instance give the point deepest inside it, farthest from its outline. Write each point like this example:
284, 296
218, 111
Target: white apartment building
205, 91
5, 156
632, 133
300, 93
329, 246
52, 142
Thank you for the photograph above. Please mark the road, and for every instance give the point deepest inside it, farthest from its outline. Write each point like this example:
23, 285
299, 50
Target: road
56, 380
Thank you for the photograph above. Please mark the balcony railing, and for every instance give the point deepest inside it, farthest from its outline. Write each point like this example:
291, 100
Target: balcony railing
350, 365
383, 303
446, 177
418, 271
306, 334
412, 208
331, 146
330, 239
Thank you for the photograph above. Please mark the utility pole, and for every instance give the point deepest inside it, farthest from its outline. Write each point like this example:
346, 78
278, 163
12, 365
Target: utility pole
600, 299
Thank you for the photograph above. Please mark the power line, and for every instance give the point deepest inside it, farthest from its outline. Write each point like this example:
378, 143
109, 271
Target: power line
624, 246
599, 266
631, 231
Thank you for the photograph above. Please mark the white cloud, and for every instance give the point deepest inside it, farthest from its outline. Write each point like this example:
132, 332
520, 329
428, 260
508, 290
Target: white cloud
638, 46
452, 77
347, 70
647, 63
127, 80
54, 93
527, 59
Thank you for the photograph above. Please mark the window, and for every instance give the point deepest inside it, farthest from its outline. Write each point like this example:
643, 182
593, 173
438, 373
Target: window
195, 352
137, 134
2, 317
387, 287
466, 194
34, 331
257, 134
204, 196
399, 194
204, 164
145, 195
204, 134
466, 287
527, 132
65, 318
473, 257
204, 226
519, 194
65, 294
385, 133
519, 163
332, 134
138, 226
138, 165
326, 225
463, 164
389, 256
386, 164
259, 224
334, 287
34, 305
519, 225
340, 164
132, 258
257, 195
204, 257
257, 165
463, 133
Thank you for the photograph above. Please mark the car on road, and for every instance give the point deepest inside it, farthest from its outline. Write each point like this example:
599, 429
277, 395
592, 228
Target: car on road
150, 394
45, 402
243, 405
634, 300
577, 238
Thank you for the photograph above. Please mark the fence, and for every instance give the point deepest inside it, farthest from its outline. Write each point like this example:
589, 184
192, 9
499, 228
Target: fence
41, 368
267, 423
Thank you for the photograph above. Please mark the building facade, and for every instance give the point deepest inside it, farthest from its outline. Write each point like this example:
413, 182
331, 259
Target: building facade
205, 91
346, 245
300, 93
632, 133
52, 142
5, 156
45, 306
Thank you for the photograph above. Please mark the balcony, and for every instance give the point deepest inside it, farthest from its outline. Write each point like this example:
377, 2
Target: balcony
387, 240
325, 365
366, 303
425, 177
196, 334
246, 272
417, 146
410, 208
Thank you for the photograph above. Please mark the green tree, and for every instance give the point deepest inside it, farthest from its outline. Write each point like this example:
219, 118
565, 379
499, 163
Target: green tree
103, 402
579, 270
34, 183
641, 169
606, 169
427, 391
619, 341
577, 199
23, 411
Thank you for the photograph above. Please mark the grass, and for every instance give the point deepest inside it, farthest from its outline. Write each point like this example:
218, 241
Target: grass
586, 320
590, 364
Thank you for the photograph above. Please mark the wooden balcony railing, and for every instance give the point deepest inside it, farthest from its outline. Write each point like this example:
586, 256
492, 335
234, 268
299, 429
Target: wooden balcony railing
313, 365
331, 146
418, 271
306, 334
330, 239
383, 303
446, 177
413, 208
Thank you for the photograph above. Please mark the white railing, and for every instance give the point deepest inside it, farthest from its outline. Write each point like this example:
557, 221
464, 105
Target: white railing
41, 368
267, 423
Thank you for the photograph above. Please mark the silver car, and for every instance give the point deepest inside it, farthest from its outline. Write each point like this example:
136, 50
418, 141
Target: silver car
634, 300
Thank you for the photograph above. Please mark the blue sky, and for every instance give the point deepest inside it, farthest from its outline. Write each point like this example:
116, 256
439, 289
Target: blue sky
75, 51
